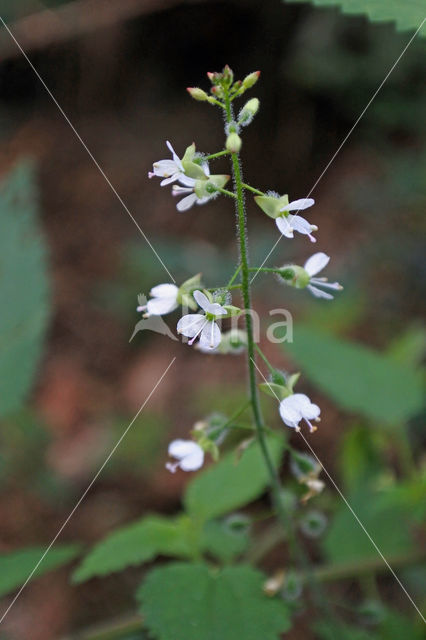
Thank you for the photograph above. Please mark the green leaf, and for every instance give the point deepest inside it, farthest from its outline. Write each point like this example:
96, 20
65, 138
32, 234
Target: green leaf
379, 512
222, 542
357, 378
190, 602
15, 567
24, 287
406, 15
135, 544
231, 483
396, 626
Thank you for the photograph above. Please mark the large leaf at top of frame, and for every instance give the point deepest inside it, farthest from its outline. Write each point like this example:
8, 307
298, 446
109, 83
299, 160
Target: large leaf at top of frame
24, 287
192, 602
357, 378
406, 15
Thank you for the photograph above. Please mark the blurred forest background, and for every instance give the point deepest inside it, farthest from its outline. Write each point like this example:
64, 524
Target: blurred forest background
72, 262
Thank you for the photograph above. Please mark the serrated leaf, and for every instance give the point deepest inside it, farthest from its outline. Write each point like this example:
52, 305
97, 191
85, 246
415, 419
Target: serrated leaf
191, 602
15, 567
357, 378
406, 15
24, 287
379, 512
231, 483
134, 544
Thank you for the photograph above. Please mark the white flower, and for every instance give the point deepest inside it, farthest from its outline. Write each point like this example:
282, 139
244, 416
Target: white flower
288, 224
189, 187
189, 455
164, 300
198, 324
170, 170
298, 407
314, 265
191, 199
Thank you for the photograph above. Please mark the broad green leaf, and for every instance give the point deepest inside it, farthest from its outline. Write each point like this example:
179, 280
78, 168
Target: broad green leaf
220, 541
231, 483
134, 544
360, 457
357, 378
406, 15
15, 567
24, 287
191, 602
386, 520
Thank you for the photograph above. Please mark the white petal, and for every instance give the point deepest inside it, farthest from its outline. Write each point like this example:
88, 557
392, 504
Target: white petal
300, 403
284, 226
186, 181
201, 299
290, 417
164, 168
167, 181
312, 412
176, 158
210, 335
164, 291
216, 309
193, 461
298, 205
322, 282
316, 263
318, 293
160, 306
186, 203
191, 324
301, 225
180, 448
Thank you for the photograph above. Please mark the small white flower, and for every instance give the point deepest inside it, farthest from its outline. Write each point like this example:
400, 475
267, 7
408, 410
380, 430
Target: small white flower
198, 324
288, 224
189, 455
170, 170
189, 200
164, 300
298, 407
314, 265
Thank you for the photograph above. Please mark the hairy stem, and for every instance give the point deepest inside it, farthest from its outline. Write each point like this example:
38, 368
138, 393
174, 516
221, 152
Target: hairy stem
246, 294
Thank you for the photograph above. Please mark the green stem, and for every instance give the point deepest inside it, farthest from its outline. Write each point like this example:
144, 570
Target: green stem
226, 192
265, 269
246, 293
233, 286
212, 156
237, 271
264, 358
256, 191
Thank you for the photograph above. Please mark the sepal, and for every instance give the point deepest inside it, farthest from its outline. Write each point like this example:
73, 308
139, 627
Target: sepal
272, 205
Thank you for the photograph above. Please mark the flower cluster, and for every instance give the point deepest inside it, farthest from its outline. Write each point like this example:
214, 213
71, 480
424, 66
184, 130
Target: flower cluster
191, 178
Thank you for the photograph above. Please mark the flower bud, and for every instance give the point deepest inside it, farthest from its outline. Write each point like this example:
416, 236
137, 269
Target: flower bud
293, 586
233, 143
228, 75
214, 76
294, 276
250, 80
248, 112
197, 94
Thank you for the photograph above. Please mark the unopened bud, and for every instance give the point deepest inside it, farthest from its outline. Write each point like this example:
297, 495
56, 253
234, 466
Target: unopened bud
197, 94
250, 80
248, 112
228, 75
233, 143
214, 76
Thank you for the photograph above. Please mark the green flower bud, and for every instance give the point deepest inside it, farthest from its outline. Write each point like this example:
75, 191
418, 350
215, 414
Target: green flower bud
250, 80
295, 276
248, 112
233, 143
228, 75
313, 523
197, 94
